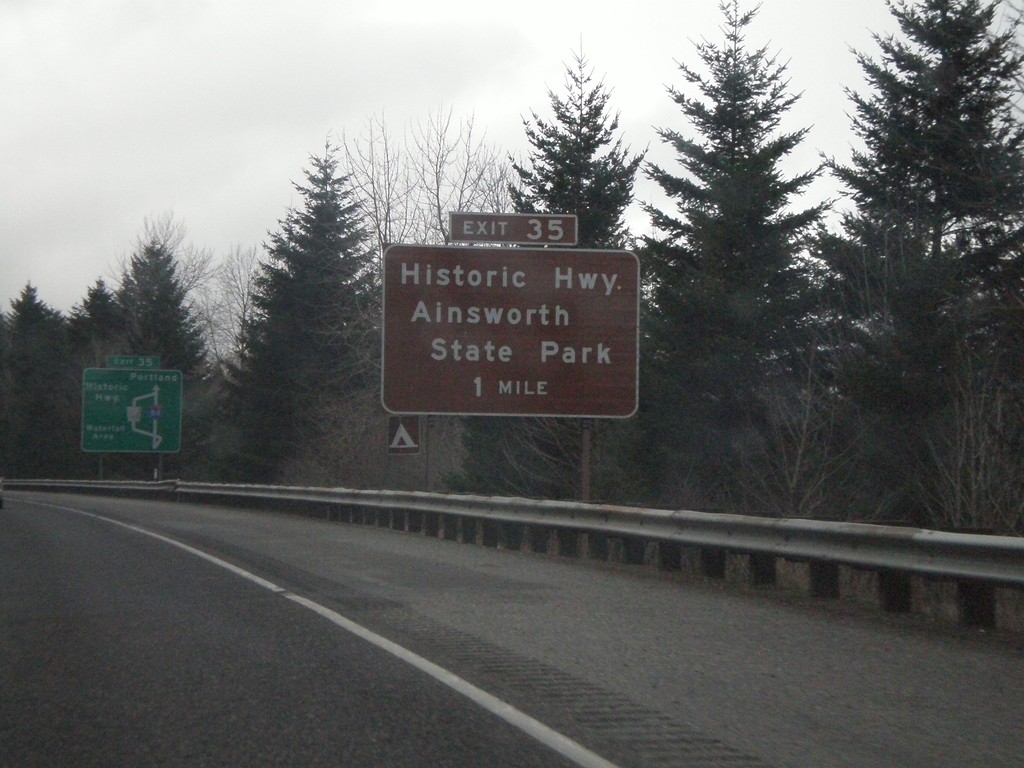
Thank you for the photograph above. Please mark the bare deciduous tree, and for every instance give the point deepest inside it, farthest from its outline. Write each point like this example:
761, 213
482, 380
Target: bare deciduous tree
407, 189
379, 172
975, 466
455, 171
555, 466
227, 304
194, 265
793, 470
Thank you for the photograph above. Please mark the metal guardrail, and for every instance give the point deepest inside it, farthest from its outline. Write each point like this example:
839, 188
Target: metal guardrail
978, 563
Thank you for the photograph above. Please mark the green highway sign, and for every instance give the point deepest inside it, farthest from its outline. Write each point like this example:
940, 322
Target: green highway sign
131, 411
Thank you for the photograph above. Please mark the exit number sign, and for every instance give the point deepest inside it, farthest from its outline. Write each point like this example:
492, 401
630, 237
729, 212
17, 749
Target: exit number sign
514, 228
510, 331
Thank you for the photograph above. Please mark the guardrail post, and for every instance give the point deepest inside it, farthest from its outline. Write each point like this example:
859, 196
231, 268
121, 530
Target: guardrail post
976, 603
712, 562
535, 539
895, 592
763, 570
467, 530
595, 546
566, 542
824, 579
510, 536
490, 533
670, 556
635, 550
628, 550
551, 545
414, 520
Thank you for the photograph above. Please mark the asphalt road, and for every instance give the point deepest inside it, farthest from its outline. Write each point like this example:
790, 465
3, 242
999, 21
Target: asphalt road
118, 648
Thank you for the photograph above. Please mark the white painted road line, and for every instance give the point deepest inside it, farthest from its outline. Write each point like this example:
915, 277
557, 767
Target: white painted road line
533, 728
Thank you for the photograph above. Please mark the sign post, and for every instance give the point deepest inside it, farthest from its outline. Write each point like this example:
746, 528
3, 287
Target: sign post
510, 331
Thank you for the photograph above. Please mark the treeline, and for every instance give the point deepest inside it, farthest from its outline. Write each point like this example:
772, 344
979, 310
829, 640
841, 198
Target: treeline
866, 365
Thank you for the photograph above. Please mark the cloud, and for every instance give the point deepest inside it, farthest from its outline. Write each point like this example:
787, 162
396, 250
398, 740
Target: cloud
119, 110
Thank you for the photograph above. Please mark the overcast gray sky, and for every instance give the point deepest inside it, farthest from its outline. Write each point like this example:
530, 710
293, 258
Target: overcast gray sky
115, 111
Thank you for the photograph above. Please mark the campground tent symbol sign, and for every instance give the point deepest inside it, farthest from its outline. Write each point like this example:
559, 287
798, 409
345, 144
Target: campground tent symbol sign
403, 435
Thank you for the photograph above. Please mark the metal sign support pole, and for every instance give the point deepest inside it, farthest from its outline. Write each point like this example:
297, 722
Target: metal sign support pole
426, 451
585, 459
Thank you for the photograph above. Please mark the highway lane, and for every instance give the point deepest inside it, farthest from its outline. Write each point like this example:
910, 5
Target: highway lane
119, 650
642, 670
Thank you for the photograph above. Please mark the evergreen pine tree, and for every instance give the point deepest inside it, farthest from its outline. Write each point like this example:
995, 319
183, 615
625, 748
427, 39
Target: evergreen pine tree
311, 338
941, 163
159, 318
41, 413
929, 279
97, 327
5, 394
727, 289
576, 166
939, 185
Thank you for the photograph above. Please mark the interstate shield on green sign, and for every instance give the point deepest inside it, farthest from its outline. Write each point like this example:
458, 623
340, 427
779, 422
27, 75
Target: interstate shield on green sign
131, 411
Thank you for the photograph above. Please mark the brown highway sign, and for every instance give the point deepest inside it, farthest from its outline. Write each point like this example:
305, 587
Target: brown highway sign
510, 331
514, 228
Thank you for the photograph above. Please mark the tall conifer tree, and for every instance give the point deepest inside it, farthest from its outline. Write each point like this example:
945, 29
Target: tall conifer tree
42, 423
727, 289
311, 337
578, 166
97, 326
5, 394
159, 317
929, 277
